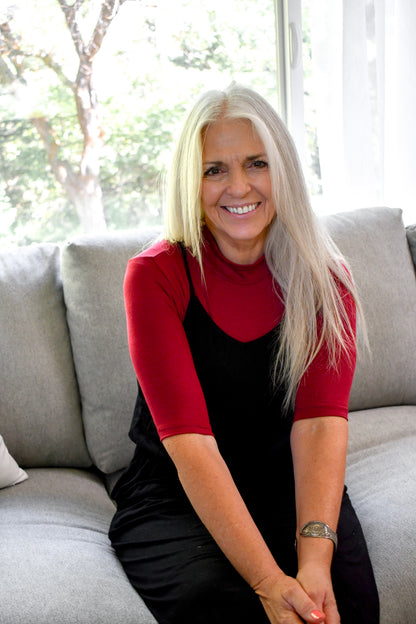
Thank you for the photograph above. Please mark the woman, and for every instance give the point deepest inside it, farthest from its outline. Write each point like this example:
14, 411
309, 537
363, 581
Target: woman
241, 327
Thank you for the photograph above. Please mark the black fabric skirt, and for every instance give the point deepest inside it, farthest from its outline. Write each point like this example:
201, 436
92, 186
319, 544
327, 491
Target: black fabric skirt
184, 578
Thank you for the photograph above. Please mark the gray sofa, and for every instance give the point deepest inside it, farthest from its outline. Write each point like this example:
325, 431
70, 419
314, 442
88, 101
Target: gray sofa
67, 390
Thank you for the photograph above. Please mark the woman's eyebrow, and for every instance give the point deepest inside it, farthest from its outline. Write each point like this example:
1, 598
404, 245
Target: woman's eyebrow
256, 157
218, 163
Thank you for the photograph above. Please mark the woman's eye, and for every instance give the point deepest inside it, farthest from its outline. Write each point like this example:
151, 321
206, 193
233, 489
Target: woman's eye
259, 164
212, 171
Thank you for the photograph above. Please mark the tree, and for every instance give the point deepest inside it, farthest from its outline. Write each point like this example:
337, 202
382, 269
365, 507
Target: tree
156, 57
82, 185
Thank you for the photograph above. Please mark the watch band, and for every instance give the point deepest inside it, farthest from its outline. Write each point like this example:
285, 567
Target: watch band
315, 528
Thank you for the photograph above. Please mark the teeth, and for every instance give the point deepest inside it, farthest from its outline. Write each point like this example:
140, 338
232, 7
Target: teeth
241, 209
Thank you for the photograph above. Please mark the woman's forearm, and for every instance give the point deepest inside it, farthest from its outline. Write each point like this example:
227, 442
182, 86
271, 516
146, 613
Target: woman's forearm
319, 448
209, 486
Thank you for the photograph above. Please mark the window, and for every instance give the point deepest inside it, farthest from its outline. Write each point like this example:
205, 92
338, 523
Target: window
339, 72
155, 58
359, 97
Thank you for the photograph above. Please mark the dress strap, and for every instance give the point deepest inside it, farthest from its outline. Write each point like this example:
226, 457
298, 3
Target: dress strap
188, 273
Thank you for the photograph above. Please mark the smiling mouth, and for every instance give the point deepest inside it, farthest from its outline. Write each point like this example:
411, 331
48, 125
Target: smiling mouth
241, 209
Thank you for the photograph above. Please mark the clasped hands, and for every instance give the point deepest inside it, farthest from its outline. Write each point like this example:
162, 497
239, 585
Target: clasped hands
308, 598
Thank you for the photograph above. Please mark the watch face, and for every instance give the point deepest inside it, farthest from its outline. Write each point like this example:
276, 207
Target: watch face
319, 529
315, 529
314, 526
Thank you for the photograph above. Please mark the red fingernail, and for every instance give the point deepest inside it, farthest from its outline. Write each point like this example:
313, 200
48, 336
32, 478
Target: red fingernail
317, 615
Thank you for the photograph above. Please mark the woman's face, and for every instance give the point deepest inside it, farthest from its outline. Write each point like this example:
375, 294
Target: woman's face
236, 191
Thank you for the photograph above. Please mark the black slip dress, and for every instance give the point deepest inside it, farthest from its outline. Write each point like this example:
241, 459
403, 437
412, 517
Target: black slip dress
168, 555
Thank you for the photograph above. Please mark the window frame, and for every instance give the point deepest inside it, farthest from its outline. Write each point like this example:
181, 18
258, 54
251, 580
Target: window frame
289, 69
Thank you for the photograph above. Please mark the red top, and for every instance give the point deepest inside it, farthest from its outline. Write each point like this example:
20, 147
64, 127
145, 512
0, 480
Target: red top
242, 301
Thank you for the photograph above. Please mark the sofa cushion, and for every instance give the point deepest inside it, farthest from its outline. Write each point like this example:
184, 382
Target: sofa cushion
374, 242
10, 471
39, 401
381, 478
59, 561
93, 274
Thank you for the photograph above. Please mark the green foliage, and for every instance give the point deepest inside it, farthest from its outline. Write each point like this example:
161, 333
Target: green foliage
200, 53
135, 151
31, 203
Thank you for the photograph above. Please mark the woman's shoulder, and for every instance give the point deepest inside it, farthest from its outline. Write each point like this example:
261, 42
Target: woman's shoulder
158, 250
161, 256
158, 272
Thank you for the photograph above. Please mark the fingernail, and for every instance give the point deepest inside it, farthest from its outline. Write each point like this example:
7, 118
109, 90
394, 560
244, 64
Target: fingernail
317, 615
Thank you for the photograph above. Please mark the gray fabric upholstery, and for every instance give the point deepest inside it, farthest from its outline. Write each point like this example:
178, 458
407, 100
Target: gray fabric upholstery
381, 477
56, 562
411, 239
93, 271
40, 416
374, 242
57, 554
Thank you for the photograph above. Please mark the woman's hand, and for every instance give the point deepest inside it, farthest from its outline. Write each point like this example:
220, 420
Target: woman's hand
316, 581
286, 602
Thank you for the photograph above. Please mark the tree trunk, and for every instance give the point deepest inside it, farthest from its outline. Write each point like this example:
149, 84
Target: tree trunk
82, 187
88, 195
89, 206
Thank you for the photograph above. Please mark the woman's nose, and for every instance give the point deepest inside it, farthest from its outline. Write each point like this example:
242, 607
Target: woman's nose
239, 184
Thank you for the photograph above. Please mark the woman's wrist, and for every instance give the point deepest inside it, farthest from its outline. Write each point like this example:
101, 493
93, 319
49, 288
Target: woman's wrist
314, 550
263, 586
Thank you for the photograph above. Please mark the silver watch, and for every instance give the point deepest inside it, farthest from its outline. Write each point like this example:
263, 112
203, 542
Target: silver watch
319, 529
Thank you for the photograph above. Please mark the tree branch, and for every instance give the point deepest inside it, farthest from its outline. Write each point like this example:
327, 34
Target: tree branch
50, 62
10, 47
7, 77
85, 95
109, 10
70, 13
77, 4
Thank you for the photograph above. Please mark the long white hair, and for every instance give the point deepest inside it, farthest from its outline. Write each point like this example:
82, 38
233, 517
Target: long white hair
303, 260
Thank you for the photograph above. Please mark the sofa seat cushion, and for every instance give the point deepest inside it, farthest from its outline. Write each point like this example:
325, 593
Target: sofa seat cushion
381, 479
59, 562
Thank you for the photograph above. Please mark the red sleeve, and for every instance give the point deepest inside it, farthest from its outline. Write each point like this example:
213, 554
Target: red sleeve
155, 303
325, 390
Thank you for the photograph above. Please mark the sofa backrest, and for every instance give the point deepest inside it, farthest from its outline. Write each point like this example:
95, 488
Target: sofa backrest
93, 269
374, 242
40, 416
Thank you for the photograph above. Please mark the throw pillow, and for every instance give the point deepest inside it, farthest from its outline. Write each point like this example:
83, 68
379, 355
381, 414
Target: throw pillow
411, 239
10, 472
